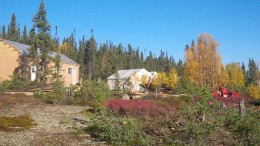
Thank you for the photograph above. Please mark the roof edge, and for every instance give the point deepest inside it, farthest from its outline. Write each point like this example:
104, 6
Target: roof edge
1, 39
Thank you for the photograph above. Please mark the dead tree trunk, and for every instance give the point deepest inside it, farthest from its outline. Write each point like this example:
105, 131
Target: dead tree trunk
242, 109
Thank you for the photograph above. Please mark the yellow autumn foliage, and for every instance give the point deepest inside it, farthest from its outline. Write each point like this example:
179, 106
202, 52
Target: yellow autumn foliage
144, 80
172, 79
203, 63
159, 79
235, 74
254, 91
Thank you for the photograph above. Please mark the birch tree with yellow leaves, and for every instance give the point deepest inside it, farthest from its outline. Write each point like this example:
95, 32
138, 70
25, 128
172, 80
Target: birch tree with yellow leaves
159, 79
235, 74
172, 79
203, 62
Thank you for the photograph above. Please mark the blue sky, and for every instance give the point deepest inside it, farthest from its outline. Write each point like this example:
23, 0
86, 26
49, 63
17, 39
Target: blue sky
154, 25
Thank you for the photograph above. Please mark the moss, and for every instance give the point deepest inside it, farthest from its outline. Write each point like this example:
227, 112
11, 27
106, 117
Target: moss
15, 123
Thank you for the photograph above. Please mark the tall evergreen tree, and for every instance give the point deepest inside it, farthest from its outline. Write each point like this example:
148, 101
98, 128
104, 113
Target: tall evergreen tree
68, 47
18, 33
43, 42
13, 33
253, 73
24, 38
243, 68
90, 56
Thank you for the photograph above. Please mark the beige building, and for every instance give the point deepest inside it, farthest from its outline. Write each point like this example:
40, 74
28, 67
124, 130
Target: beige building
133, 76
10, 52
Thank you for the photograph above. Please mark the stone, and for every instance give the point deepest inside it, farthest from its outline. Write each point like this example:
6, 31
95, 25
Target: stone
125, 97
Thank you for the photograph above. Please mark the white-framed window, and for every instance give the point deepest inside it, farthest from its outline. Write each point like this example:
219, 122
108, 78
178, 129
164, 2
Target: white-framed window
33, 69
69, 70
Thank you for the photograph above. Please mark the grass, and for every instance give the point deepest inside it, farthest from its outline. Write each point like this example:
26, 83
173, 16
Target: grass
9, 100
64, 121
18, 123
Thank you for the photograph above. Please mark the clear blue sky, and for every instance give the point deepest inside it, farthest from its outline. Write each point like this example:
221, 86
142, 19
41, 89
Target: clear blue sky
154, 25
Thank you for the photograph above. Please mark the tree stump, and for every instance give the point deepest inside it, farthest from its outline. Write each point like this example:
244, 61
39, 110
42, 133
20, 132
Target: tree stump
242, 109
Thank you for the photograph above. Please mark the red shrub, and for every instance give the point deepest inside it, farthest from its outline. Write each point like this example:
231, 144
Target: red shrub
138, 107
230, 101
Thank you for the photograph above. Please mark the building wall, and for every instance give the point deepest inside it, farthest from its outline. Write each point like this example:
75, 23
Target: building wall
111, 84
68, 77
136, 81
8, 60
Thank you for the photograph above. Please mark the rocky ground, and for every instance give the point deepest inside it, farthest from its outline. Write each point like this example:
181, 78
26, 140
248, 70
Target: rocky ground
54, 125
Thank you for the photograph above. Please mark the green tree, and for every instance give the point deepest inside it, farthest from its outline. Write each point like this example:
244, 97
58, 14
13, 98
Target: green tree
57, 68
3, 34
43, 42
90, 57
117, 82
13, 33
253, 73
68, 47
24, 38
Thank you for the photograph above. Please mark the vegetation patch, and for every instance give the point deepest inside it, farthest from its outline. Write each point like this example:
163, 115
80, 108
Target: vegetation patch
16, 123
138, 107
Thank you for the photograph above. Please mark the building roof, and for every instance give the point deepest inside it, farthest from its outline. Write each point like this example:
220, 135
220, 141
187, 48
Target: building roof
24, 49
20, 47
124, 74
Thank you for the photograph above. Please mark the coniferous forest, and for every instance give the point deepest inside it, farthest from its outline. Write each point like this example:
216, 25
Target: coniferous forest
105, 58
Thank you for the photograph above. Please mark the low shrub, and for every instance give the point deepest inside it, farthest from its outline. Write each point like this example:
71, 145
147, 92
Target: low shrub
138, 107
4, 85
246, 129
19, 83
228, 101
116, 130
15, 123
93, 94
185, 86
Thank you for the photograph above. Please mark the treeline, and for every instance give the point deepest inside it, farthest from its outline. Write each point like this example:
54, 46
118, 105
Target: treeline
96, 61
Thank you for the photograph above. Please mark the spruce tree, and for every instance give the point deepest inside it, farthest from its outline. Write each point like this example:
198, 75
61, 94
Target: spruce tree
13, 33
24, 38
43, 42
252, 73
244, 71
90, 56
18, 33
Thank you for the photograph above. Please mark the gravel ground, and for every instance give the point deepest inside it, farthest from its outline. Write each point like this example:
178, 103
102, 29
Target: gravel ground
55, 125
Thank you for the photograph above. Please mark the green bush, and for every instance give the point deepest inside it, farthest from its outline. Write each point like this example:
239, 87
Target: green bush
38, 94
185, 86
246, 129
93, 93
4, 85
195, 128
58, 94
116, 130
21, 83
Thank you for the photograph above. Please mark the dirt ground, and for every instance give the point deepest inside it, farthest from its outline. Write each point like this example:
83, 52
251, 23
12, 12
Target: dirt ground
54, 124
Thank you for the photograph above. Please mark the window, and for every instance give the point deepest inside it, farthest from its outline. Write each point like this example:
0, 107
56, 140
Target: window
33, 69
69, 71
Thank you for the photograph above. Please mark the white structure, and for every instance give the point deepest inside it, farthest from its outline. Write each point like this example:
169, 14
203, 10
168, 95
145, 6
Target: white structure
129, 79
